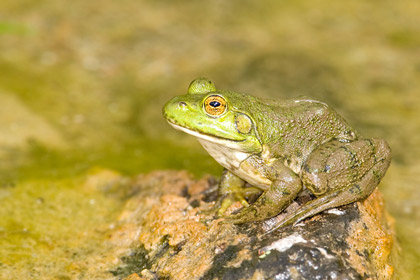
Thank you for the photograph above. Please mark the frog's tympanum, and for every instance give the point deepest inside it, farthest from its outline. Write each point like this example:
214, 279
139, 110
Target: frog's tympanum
280, 147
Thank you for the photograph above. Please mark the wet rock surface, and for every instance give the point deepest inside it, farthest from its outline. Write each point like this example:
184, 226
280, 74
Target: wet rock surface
168, 231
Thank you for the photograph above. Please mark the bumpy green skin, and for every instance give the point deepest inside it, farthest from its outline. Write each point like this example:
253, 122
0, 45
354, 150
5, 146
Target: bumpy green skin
280, 146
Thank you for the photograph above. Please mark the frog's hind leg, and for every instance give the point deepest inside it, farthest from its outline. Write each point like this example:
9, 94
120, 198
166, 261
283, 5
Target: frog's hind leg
341, 173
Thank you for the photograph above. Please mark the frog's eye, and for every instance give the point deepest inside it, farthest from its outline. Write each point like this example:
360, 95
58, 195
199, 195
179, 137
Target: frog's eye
215, 105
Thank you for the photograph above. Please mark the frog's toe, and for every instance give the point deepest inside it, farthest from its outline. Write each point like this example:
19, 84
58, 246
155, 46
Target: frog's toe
290, 220
225, 202
212, 211
249, 214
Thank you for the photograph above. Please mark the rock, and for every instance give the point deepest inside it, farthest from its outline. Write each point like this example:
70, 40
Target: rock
168, 233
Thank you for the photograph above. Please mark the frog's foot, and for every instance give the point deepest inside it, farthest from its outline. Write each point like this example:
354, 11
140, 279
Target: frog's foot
250, 214
235, 195
264, 208
226, 200
232, 189
311, 208
327, 201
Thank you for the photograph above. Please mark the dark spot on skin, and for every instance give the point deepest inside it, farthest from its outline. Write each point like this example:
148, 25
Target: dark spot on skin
327, 168
264, 200
353, 157
371, 144
373, 150
355, 189
377, 175
254, 212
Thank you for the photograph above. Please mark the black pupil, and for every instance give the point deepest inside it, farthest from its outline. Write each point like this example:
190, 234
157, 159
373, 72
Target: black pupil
214, 104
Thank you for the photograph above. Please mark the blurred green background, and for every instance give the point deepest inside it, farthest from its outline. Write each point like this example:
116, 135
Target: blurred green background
82, 84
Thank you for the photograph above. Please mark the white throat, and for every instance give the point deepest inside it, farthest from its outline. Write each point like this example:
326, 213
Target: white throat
226, 153
236, 162
227, 157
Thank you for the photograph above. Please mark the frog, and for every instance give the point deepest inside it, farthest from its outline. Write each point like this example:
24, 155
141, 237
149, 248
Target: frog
278, 148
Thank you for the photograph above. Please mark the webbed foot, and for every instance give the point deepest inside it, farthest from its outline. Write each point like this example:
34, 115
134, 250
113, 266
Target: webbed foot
236, 195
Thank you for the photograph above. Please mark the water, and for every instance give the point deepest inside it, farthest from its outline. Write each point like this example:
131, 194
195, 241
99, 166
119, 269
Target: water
82, 88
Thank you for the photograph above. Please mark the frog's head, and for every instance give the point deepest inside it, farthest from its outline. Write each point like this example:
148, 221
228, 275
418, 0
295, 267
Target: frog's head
216, 116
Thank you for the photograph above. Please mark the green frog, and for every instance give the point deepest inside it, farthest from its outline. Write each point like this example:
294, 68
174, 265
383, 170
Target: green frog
280, 147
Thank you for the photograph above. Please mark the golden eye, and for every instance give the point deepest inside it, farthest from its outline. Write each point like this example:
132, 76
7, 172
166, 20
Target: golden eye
215, 105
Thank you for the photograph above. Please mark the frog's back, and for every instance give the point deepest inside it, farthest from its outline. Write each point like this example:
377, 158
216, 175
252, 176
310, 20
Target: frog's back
292, 128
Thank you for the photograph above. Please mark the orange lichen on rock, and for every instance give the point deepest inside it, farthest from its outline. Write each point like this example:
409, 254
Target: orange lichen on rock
372, 236
175, 220
163, 217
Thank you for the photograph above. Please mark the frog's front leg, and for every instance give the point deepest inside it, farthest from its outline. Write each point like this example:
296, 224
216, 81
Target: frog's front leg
231, 189
340, 173
285, 186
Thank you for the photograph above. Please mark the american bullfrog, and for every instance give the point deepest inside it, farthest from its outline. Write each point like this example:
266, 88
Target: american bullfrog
280, 147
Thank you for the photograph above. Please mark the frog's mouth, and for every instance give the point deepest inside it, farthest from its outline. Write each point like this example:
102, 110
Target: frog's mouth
232, 143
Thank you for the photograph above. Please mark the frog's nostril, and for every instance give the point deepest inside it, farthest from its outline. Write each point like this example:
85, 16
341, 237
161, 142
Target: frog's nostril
182, 104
